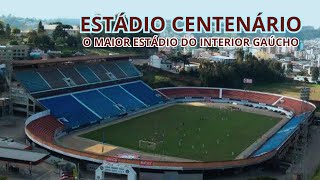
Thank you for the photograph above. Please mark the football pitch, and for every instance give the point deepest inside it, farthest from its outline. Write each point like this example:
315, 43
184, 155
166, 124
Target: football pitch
186, 131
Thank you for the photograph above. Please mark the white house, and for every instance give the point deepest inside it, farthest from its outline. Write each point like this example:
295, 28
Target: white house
158, 62
191, 67
223, 59
304, 79
201, 53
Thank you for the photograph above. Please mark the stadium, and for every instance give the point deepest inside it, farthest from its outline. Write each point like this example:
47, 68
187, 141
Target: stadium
98, 111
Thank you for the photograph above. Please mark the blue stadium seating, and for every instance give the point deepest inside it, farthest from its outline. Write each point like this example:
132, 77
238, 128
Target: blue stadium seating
71, 73
81, 108
98, 103
54, 78
69, 108
128, 68
99, 71
120, 96
75, 75
282, 135
114, 69
144, 93
87, 74
32, 81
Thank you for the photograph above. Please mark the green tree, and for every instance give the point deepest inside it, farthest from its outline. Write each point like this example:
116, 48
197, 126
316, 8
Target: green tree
3, 178
249, 57
8, 30
206, 69
13, 42
60, 31
40, 28
2, 31
67, 26
219, 74
44, 42
315, 73
289, 68
60, 43
239, 54
73, 41
185, 58
180, 57
57, 23
1, 25
41, 41
31, 37
16, 31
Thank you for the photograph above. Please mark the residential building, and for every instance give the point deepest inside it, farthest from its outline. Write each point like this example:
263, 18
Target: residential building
5, 53
223, 59
17, 52
158, 62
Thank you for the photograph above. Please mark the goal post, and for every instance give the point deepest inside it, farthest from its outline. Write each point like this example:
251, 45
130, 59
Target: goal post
147, 145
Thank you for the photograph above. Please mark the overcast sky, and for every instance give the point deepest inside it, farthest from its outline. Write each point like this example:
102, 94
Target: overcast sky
307, 10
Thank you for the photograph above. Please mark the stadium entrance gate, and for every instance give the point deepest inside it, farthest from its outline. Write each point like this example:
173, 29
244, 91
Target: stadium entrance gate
115, 168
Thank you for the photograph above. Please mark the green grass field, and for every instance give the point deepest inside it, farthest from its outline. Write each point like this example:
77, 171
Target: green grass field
192, 132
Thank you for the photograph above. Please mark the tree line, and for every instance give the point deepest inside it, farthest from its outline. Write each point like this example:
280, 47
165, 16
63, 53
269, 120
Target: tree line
60, 39
219, 74
6, 31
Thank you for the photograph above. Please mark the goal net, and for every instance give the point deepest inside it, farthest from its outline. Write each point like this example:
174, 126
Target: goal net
147, 145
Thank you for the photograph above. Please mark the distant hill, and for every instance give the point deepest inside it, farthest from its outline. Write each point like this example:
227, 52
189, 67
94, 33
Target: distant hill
32, 23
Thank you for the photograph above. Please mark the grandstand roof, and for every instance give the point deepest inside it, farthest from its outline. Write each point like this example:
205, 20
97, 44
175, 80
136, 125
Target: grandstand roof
22, 156
8, 144
70, 59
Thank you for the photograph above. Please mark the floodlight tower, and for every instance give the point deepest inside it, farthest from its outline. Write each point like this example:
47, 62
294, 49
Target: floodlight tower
300, 149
